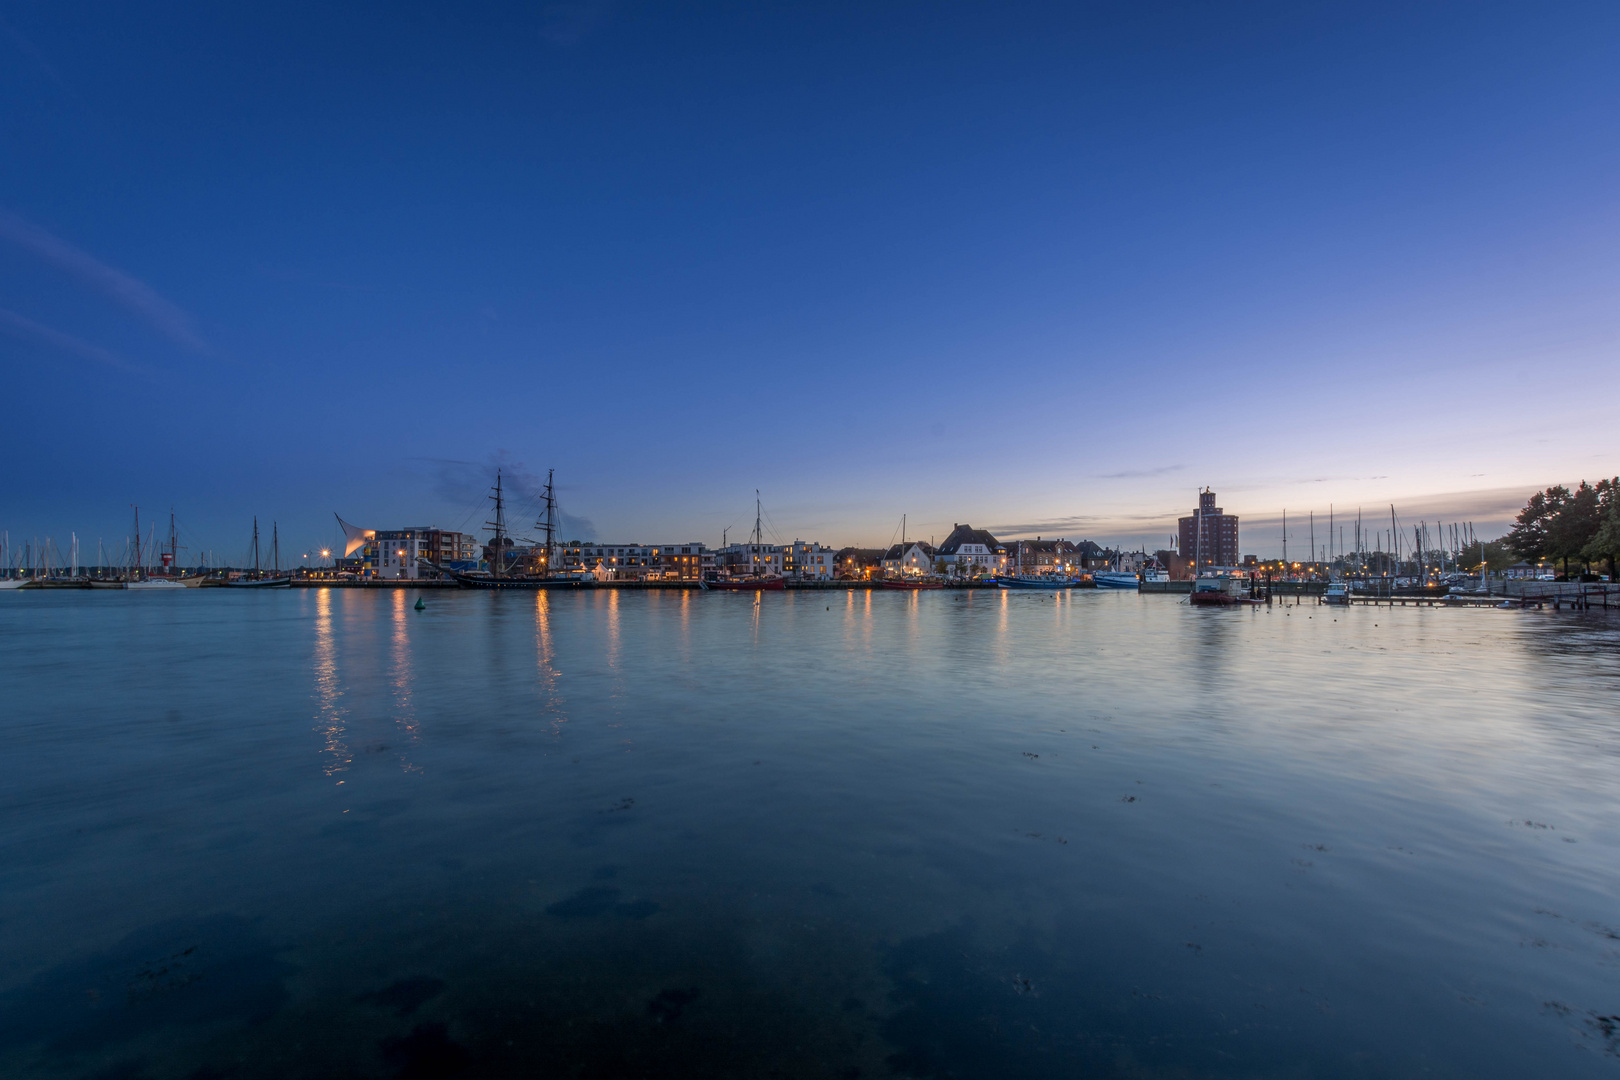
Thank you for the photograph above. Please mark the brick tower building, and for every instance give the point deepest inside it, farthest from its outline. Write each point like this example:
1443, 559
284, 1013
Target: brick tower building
1209, 536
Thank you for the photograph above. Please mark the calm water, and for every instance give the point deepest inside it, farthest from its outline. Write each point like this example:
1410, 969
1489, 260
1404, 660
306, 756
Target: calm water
320, 834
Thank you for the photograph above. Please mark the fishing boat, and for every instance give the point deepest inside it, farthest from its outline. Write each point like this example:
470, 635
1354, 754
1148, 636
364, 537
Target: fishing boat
1034, 581
499, 575
1338, 592
913, 584
1114, 579
261, 579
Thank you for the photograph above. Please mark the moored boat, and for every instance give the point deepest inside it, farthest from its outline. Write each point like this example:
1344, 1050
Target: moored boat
1114, 579
497, 577
1222, 591
760, 584
1033, 581
260, 579
912, 584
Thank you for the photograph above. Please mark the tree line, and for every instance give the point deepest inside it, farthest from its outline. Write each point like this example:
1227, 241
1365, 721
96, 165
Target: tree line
1561, 525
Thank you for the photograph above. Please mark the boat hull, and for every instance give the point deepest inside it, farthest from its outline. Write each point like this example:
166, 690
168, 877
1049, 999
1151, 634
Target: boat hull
759, 585
261, 583
160, 584
1033, 583
1109, 579
514, 583
913, 586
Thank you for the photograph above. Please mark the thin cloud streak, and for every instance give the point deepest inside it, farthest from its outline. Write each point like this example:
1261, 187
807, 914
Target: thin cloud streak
1138, 474
134, 296
27, 329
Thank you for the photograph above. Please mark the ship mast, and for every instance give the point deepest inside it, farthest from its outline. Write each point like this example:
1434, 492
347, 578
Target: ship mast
275, 550
255, 545
135, 566
759, 535
548, 523
498, 526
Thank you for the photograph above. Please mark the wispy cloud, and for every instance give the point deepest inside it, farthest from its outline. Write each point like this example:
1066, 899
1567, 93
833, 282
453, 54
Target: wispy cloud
457, 481
26, 329
1137, 474
134, 296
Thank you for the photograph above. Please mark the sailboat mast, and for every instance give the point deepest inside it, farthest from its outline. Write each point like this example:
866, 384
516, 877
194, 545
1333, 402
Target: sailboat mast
275, 549
255, 545
135, 565
498, 526
549, 522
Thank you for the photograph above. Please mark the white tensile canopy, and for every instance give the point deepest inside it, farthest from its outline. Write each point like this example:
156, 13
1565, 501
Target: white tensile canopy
354, 537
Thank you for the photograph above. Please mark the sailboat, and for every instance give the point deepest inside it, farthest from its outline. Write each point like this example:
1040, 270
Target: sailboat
499, 576
757, 582
138, 578
259, 580
914, 582
9, 582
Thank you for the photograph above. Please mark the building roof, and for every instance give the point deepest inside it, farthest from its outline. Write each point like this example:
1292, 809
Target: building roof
967, 534
898, 551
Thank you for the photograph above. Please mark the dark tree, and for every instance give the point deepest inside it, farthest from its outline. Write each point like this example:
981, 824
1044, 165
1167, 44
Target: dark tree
1605, 542
1529, 539
1573, 526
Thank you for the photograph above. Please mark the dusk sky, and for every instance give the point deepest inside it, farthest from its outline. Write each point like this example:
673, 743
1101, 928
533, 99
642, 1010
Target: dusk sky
1046, 269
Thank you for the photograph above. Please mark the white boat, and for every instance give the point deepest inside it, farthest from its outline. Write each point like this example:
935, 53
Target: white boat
153, 583
14, 583
1338, 592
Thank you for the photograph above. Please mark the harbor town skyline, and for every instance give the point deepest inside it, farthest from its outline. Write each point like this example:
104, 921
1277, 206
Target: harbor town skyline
1047, 270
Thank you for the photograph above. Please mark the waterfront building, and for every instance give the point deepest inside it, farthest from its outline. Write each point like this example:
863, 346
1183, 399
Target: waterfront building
398, 554
1209, 536
968, 551
911, 559
749, 560
807, 561
634, 562
1040, 556
859, 564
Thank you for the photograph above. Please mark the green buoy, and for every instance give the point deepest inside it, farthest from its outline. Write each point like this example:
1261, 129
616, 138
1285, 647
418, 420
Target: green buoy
419, 605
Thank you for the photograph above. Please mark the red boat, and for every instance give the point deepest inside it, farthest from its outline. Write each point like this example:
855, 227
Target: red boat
1224, 591
912, 583
774, 584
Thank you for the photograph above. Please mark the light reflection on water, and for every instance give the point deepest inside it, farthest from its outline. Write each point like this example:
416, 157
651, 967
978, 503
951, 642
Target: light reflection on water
825, 833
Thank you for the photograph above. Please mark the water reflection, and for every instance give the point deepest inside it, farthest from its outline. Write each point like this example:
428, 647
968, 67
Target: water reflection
400, 678
546, 673
330, 716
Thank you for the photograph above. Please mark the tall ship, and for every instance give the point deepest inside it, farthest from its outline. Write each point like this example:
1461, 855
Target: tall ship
260, 577
755, 582
500, 575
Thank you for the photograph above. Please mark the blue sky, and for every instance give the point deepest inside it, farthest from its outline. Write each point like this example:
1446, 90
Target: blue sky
1042, 268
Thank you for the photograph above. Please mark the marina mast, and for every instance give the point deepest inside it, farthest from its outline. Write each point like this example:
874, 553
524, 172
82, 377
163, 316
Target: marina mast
497, 546
548, 523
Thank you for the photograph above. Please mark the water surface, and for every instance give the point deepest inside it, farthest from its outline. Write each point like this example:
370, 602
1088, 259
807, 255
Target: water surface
319, 834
